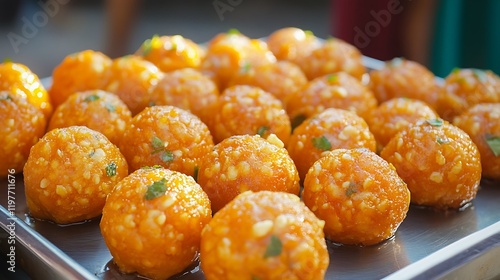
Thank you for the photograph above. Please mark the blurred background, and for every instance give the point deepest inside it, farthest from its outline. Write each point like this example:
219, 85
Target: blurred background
441, 34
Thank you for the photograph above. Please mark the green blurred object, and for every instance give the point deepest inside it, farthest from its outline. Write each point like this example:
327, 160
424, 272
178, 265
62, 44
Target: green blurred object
467, 35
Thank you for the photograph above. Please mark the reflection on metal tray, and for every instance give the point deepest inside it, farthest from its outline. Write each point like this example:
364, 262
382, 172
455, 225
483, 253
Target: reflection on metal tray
428, 244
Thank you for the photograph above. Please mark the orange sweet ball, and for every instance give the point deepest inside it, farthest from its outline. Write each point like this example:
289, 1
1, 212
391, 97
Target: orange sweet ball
358, 194
292, 43
438, 161
167, 136
404, 78
396, 114
329, 130
171, 52
19, 80
339, 90
131, 78
81, 71
187, 89
21, 126
290, 77
482, 123
264, 235
152, 222
464, 88
334, 55
96, 109
69, 173
228, 52
245, 162
243, 109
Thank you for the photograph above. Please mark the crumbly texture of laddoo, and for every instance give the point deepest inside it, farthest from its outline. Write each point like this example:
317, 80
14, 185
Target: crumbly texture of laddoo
243, 109
168, 136
280, 79
96, 109
81, 71
19, 80
170, 53
246, 162
187, 89
395, 114
329, 130
438, 161
358, 194
339, 90
264, 235
152, 222
69, 173
228, 52
131, 78
334, 55
482, 123
21, 126
464, 88
404, 78
292, 43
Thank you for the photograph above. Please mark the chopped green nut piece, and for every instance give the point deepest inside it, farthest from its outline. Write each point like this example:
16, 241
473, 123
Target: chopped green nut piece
274, 247
156, 189
351, 189
91, 98
111, 169
322, 143
435, 122
494, 144
157, 144
110, 107
262, 130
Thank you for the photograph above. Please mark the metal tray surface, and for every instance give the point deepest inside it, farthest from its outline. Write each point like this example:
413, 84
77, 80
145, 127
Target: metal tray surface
78, 251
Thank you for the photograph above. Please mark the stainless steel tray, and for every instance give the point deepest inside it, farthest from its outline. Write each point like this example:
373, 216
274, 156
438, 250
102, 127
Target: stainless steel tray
428, 245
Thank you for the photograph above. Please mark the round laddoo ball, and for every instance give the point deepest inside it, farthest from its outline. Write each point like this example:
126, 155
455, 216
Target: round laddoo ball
290, 75
339, 90
80, 71
334, 55
96, 109
243, 109
292, 43
187, 89
228, 52
170, 53
395, 114
439, 162
21, 126
482, 123
358, 194
152, 222
19, 80
404, 78
329, 130
264, 235
167, 136
69, 173
466, 87
131, 78
246, 162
